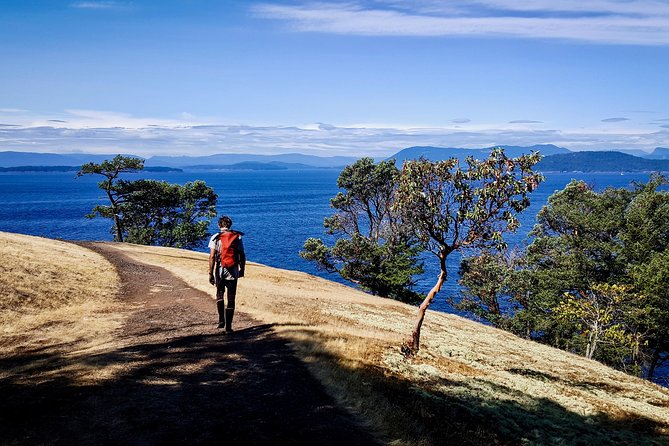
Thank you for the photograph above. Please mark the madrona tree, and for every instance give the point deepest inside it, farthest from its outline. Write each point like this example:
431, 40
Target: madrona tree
454, 207
374, 247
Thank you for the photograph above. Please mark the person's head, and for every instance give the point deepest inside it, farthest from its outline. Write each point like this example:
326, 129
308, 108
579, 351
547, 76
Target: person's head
225, 222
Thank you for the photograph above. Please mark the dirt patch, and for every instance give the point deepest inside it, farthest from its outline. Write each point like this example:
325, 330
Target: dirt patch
177, 379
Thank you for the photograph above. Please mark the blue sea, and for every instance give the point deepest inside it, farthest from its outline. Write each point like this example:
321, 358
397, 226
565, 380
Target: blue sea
277, 211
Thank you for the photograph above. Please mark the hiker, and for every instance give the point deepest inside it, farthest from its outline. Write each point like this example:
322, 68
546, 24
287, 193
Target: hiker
226, 264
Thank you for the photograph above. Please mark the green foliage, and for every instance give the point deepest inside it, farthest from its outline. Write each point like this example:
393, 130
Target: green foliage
652, 279
374, 248
488, 283
160, 213
593, 280
601, 315
152, 212
111, 171
452, 207
646, 223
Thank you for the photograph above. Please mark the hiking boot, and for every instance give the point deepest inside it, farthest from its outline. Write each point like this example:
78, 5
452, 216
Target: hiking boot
229, 313
220, 307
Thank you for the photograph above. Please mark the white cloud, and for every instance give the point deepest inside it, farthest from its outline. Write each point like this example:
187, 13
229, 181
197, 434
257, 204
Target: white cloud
618, 7
108, 132
617, 22
99, 5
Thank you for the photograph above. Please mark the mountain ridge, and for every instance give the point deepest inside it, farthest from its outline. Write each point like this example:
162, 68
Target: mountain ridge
554, 158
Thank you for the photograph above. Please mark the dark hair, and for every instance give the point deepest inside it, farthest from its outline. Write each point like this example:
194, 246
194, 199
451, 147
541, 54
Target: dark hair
225, 222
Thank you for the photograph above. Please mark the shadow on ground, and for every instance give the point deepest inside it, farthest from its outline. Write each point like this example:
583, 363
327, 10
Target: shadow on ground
245, 388
437, 411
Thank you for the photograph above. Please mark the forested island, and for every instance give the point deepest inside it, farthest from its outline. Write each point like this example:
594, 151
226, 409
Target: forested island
600, 162
75, 169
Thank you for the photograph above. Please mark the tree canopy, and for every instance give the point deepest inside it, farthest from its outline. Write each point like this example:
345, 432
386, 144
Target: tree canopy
594, 278
152, 212
453, 207
374, 247
111, 169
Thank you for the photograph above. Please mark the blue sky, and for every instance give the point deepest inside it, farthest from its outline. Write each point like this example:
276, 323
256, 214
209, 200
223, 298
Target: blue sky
351, 77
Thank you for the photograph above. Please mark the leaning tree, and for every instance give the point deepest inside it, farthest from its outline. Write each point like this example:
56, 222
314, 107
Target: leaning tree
454, 207
111, 170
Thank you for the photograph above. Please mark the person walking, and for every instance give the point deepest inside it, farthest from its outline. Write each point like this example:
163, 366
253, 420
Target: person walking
227, 261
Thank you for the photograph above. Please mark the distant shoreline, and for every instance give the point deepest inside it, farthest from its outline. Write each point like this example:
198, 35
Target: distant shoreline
46, 169
238, 168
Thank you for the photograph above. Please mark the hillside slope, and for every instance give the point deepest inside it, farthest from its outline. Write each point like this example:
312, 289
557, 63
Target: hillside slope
470, 384
601, 162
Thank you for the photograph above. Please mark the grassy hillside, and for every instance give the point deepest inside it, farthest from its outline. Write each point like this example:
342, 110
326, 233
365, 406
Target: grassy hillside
470, 384
53, 292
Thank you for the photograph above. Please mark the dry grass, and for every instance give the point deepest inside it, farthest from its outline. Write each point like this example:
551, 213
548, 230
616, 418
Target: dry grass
55, 297
470, 384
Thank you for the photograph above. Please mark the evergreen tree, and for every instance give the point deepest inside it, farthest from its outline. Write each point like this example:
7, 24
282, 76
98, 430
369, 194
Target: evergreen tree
152, 212
374, 248
594, 279
111, 169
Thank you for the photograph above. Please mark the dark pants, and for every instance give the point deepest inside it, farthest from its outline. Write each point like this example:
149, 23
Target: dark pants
231, 287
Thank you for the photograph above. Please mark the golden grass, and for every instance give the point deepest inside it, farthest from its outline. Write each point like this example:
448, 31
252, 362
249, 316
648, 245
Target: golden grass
468, 381
470, 384
55, 297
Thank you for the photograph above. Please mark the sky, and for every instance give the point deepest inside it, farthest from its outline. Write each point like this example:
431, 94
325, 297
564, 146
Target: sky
355, 77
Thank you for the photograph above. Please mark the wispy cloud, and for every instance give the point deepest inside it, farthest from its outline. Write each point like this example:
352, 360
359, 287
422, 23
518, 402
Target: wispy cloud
525, 121
615, 119
640, 22
99, 5
107, 132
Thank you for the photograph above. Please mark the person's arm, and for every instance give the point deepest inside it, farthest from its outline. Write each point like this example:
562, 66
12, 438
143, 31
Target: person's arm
212, 265
241, 257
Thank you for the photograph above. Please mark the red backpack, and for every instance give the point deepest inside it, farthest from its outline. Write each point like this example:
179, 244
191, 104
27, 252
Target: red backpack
228, 254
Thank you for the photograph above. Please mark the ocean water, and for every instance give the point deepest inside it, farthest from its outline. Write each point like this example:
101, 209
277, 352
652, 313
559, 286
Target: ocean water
277, 211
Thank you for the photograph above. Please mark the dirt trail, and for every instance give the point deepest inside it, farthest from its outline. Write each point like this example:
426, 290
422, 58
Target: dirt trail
180, 380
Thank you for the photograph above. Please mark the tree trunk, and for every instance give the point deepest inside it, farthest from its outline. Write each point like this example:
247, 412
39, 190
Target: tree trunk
593, 339
413, 343
117, 225
653, 365
117, 221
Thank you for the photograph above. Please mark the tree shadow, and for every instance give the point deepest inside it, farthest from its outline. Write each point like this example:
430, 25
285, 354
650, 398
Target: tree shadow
243, 388
440, 411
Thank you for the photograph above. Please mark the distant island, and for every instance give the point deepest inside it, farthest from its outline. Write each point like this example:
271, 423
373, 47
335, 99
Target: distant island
254, 165
601, 162
75, 169
555, 159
